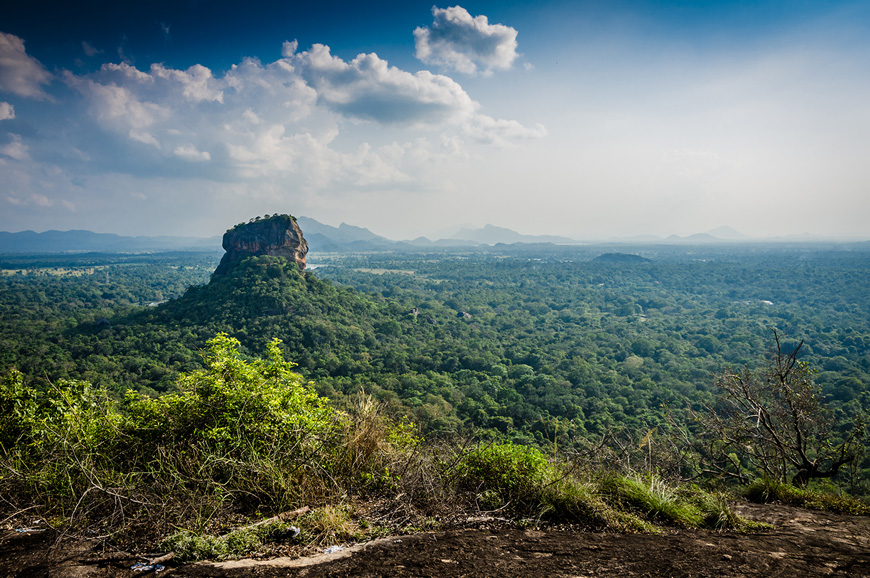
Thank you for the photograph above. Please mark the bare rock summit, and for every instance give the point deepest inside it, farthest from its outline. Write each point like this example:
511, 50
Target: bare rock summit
277, 235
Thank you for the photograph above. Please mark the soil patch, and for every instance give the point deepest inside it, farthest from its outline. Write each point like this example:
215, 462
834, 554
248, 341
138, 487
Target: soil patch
802, 543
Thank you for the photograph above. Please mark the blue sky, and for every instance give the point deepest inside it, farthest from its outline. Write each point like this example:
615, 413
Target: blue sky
585, 119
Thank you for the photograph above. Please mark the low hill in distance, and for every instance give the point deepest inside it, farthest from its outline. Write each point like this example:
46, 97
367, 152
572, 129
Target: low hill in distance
621, 258
347, 238
88, 241
492, 235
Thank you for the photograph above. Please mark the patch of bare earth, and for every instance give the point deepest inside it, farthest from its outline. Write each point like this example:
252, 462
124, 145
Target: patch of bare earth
802, 543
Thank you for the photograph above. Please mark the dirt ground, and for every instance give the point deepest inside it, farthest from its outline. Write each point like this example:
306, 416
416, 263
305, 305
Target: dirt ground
802, 543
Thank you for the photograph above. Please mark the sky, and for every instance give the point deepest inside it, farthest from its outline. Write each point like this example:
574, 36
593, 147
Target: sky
587, 119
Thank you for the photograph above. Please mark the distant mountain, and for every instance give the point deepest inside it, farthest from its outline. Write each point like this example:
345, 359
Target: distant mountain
728, 234
325, 238
492, 235
328, 239
342, 234
88, 241
424, 242
696, 239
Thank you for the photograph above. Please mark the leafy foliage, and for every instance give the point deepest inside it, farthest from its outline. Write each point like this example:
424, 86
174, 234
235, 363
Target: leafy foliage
76, 453
241, 437
541, 346
505, 475
234, 402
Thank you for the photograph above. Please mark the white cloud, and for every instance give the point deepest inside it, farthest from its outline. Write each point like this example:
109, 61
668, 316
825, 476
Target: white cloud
458, 41
144, 138
191, 153
7, 111
288, 49
15, 149
196, 82
368, 88
118, 107
126, 70
251, 116
369, 168
19, 73
39, 200
286, 122
499, 131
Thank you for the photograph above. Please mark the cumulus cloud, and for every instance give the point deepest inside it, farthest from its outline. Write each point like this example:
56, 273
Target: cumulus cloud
286, 121
20, 73
117, 107
7, 111
368, 88
194, 82
470, 45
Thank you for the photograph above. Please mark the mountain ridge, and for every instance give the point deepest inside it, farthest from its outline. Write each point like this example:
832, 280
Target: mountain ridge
324, 238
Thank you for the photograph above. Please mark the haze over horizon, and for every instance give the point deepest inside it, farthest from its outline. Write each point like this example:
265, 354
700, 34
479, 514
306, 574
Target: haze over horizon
578, 119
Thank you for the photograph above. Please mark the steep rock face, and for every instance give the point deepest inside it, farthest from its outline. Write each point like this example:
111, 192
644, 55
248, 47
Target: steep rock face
278, 235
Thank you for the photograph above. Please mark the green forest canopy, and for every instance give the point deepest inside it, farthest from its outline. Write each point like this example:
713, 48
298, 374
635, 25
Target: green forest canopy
532, 343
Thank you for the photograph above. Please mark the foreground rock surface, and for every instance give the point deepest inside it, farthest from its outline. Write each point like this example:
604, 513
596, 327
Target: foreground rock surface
803, 543
279, 236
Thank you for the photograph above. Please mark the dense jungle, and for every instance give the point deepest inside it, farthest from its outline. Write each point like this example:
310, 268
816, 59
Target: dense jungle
532, 383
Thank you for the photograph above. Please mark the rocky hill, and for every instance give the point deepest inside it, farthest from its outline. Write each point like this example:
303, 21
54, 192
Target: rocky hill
278, 235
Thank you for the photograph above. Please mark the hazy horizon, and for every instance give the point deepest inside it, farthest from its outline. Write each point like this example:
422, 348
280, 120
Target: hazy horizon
724, 234
586, 120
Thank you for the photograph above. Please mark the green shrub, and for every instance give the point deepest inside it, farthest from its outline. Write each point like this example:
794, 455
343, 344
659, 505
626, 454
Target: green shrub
233, 402
192, 546
522, 481
505, 476
826, 497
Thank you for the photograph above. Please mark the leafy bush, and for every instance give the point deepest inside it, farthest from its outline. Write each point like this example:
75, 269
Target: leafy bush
236, 434
505, 476
522, 481
233, 402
